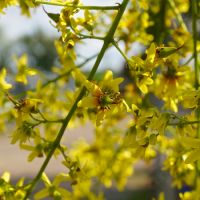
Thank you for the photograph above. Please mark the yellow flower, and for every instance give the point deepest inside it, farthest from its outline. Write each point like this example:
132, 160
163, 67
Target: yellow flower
104, 97
149, 63
3, 84
28, 105
23, 132
53, 188
24, 108
23, 70
142, 69
143, 81
170, 84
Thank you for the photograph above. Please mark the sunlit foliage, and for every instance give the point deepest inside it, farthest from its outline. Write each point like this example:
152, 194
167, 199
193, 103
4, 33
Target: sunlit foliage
168, 71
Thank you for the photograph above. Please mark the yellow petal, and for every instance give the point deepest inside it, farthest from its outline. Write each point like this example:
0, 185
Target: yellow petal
3, 84
148, 81
6, 176
108, 75
31, 72
88, 102
21, 78
143, 88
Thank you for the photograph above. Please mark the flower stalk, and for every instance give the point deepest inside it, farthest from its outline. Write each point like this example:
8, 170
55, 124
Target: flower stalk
70, 5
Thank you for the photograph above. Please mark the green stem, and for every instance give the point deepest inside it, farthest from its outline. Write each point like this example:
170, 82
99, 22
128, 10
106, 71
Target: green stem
63, 153
59, 121
177, 14
120, 51
189, 60
44, 121
83, 36
70, 5
56, 143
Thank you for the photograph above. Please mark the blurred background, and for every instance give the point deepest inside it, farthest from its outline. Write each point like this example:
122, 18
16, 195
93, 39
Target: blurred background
35, 36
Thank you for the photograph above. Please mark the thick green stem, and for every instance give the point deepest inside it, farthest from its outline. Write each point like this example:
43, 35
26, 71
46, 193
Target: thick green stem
56, 143
70, 5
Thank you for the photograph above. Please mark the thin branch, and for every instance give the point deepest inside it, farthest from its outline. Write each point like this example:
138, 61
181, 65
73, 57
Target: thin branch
189, 60
41, 114
34, 118
120, 51
83, 36
70, 5
63, 152
44, 121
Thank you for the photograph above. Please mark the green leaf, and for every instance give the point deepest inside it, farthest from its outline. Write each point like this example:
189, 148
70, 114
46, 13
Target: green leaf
163, 52
53, 16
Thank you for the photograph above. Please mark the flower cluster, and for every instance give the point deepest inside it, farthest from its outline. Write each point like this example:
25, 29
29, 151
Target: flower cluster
105, 97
